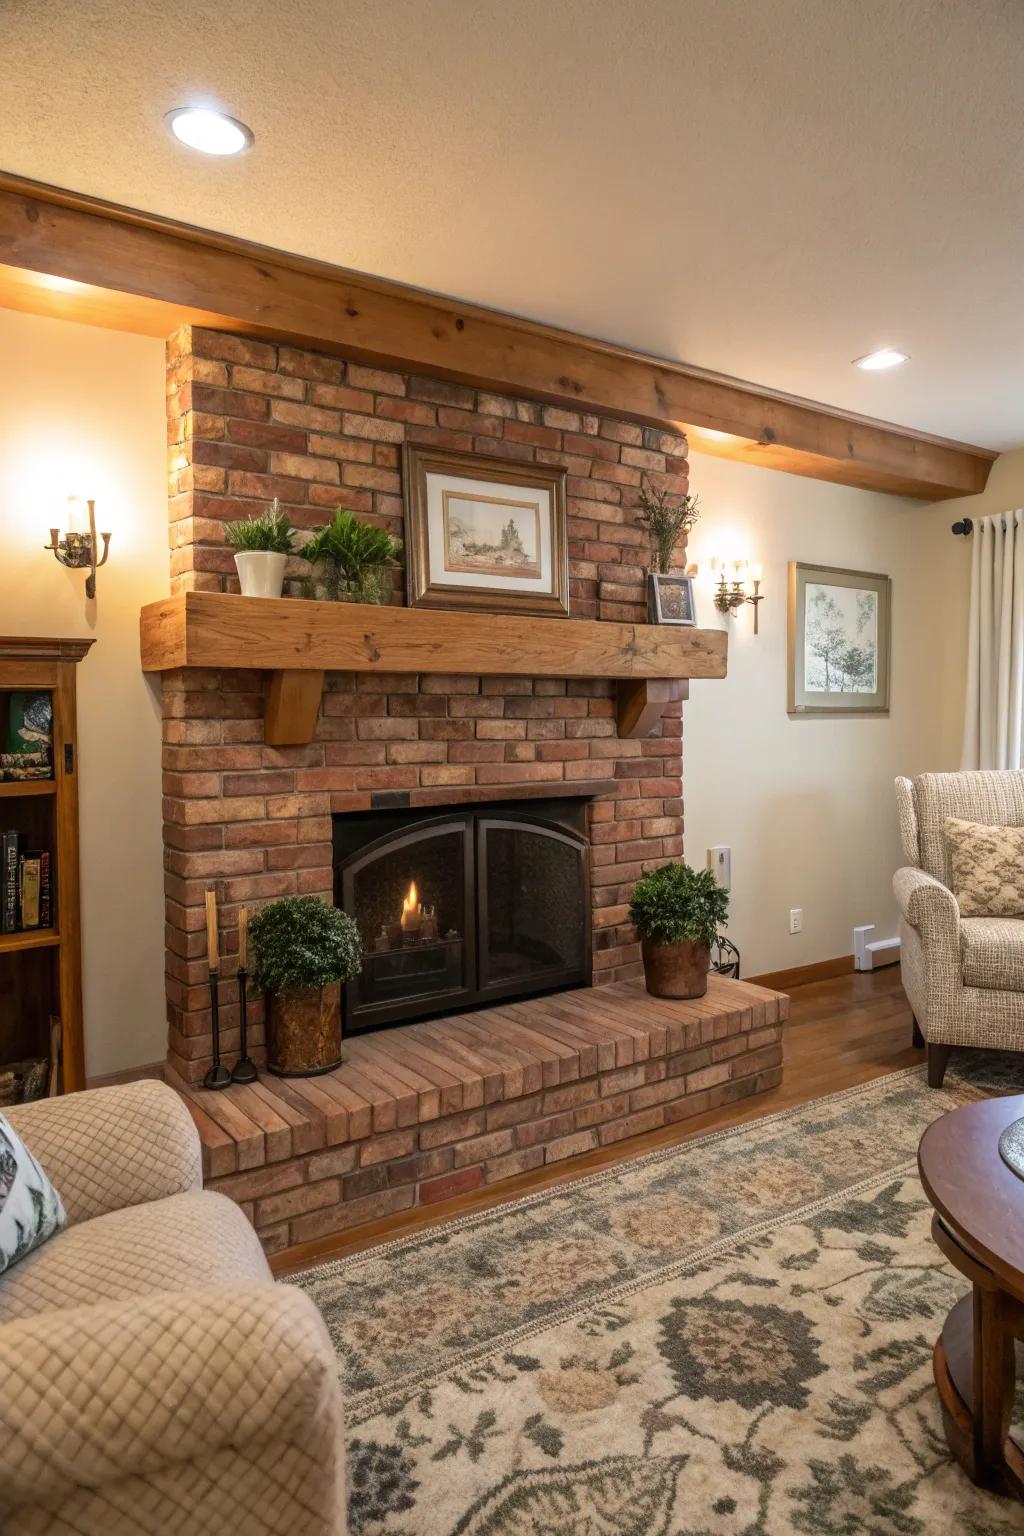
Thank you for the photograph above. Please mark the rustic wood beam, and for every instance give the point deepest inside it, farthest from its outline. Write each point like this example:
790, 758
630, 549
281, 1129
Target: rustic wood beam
291, 707
237, 285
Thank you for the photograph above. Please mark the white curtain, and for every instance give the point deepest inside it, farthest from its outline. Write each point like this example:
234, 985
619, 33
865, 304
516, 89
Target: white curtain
993, 734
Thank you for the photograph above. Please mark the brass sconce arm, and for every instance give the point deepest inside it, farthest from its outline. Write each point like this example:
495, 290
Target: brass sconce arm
77, 551
731, 595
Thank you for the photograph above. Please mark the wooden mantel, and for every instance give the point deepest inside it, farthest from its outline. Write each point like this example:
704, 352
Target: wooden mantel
298, 641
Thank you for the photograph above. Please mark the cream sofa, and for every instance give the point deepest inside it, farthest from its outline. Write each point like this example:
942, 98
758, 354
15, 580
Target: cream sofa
964, 976
153, 1378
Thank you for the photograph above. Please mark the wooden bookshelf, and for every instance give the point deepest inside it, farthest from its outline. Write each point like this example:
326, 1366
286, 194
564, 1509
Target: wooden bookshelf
41, 968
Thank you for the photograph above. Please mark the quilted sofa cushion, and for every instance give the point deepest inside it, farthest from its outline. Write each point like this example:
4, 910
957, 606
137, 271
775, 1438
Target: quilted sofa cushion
992, 953
193, 1239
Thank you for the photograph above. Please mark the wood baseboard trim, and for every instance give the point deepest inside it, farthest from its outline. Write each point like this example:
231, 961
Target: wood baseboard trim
153, 1071
800, 975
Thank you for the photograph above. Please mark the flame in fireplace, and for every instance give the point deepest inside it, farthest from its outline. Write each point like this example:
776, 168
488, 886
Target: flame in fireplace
411, 907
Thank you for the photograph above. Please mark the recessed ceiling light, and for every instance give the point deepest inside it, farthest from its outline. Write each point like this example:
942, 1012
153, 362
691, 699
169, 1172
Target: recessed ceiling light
214, 133
887, 357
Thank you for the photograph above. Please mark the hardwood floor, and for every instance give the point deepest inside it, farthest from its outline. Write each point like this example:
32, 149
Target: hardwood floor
841, 1032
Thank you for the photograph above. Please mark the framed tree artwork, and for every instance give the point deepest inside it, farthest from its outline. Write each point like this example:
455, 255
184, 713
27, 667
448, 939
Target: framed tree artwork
485, 533
840, 626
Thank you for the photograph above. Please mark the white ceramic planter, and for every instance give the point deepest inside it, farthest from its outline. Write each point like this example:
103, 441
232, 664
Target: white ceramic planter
260, 572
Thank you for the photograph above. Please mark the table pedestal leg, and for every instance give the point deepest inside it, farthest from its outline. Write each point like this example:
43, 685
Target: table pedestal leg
975, 1375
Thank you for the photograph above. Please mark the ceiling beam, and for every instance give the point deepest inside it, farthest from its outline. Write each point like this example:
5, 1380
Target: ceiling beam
237, 285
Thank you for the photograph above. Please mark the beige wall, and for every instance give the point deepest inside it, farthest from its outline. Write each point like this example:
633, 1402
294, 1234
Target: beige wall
82, 410
807, 804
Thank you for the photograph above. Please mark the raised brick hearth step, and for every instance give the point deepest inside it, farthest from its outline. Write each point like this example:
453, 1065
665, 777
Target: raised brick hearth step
430, 1110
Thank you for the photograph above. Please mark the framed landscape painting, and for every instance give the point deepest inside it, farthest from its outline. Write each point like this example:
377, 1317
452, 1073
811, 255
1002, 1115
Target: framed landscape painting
485, 533
839, 640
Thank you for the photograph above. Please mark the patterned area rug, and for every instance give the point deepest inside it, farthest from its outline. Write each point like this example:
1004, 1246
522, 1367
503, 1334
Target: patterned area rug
730, 1336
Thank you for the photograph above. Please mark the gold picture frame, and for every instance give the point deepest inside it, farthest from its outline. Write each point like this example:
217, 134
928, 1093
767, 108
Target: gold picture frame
839, 661
485, 533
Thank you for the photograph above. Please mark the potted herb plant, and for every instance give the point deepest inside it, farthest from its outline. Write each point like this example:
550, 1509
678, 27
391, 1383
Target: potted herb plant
350, 558
677, 912
262, 546
303, 949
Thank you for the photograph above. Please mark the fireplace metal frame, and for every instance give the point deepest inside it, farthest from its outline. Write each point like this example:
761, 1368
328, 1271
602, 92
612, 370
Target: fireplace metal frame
474, 823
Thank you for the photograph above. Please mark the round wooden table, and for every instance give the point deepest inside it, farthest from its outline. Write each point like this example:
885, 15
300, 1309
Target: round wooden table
979, 1225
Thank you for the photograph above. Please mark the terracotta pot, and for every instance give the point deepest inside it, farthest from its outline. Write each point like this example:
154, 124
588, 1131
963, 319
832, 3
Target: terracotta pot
304, 1031
676, 970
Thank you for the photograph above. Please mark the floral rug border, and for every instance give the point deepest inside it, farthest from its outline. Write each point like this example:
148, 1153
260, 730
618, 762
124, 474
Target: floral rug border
361, 1406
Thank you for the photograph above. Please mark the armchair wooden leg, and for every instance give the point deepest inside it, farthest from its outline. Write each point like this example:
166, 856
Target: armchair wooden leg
917, 1039
938, 1058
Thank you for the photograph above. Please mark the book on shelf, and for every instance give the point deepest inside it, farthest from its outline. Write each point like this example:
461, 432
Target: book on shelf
9, 883
26, 885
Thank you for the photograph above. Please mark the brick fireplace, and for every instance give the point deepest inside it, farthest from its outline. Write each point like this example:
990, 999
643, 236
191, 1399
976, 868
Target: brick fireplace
249, 420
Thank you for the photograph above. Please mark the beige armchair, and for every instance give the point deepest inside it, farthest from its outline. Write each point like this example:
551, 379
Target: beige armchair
964, 976
155, 1380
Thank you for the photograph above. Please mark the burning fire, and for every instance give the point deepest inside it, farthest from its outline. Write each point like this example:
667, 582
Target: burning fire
411, 908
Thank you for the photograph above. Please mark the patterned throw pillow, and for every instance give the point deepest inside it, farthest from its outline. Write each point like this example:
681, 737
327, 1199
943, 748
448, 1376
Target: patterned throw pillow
30, 1207
987, 868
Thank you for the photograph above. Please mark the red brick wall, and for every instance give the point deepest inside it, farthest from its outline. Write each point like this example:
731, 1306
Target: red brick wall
250, 420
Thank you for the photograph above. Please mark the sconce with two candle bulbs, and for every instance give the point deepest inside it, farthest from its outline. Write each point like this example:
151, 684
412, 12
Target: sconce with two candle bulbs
732, 580
77, 548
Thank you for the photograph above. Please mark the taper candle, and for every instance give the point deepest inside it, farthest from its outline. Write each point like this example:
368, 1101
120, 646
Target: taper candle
243, 939
212, 949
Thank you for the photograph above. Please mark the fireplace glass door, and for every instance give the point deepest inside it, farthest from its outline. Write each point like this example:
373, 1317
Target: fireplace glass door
533, 920
409, 901
460, 909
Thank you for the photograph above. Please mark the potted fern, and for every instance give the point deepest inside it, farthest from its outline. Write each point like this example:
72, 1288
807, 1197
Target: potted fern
677, 912
303, 949
262, 545
350, 559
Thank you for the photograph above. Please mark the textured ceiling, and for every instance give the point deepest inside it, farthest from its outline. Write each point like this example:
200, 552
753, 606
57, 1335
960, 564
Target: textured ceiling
768, 188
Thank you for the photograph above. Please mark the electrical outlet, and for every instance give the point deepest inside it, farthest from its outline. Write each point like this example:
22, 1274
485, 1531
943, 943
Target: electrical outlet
796, 919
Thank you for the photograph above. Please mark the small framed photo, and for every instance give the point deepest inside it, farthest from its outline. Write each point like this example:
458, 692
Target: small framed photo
485, 533
840, 624
670, 599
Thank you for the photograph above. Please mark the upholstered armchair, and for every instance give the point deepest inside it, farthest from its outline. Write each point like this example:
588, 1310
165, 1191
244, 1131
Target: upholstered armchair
964, 976
154, 1381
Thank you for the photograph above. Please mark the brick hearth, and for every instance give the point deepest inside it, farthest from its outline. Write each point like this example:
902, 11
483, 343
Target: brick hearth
419, 1114
249, 420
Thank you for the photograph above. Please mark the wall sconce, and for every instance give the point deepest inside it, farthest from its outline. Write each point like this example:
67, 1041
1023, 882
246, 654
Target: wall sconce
77, 548
731, 593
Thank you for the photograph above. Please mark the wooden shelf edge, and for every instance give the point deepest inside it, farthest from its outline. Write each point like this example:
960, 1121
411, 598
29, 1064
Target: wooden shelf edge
12, 790
28, 938
30, 648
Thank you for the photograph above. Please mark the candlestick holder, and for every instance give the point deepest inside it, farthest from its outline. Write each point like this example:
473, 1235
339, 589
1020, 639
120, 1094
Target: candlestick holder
244, 1070
217, 1076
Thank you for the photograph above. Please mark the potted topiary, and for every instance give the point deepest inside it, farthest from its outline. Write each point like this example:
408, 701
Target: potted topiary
349, 560
303, 948
262, 546
677, 911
